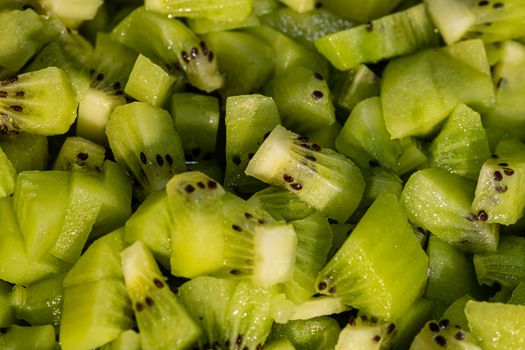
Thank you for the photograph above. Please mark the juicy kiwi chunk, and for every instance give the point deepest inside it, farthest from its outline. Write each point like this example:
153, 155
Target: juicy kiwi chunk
505, 266
500, 190
314, 333
144, 140
212, 9
408, 325
249, 118
127, 340
360, 11
162, 321
362, 274
7, 174
325, 136
490, 21
176, 46
444, 335
439, 80
195, 203
246, 60
80, 154
365, 139
451, 274
518, 295
206, 25
42, 102
26, 151
281, 204
320, 177
353, 86
452, 220
499, 326
364, 332
461, 147
23, 337
397, 34
72, 14
314, 238
151, 223
7, 311
40, 303
300, 5
303, 99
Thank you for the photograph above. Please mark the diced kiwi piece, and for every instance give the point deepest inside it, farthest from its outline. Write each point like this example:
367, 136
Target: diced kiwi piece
461, 147
379, 180
315, 333
452, 220
162, 321
72, 13
408, 325
365, 139
314, 239
455, 313
94, 314
289, 53
107, 81
197, 241
151, 223
213, 9
353, 86
25, 33
499, 326
41, 102
40, 201
15, 265
518, 295
40, 303
148, 82
281, 204
443, 335
308, 26
127, 340
505, 266
490, 21
316, 306
246, 60
249, 118
176, 46
509, 74
7, 174
397, 34
303, 99
281, 344
262, 7
196, 119
80, 154
365, 333
325, 136
450, 273
206, 25
362, 271
26, 151
360, 11
7, 311
500, 190
22, 337
144, 140
439, 80
320, 177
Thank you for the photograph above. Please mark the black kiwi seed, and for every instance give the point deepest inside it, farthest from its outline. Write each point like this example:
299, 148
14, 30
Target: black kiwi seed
235, 272
318, 76
169, 159
9, 81
316, 94
3, 93
441, 340
372, 163
305, 145
508, 171
364, 318
204, 48
296, 186
497, 176
194, 52
369, 27
258, 347
501, 82
185, 56
471, 217
82, 156
201, 185
310, 157
322, 285
434, 327
20, 93
239, 339
210, 56
139, 307
237, 228
332, 290
248, 216
3, 330
443, 323
288, 178
212, 185
236, 159
303, 139
246, 347
494, 156
316, 147
503, 164
501, 189
482, 215
376, 338
100, 77
149, 301
391, 328
158, 283
460, 335
117, 86
261, 221
483, 3
17, 108
498, 5
159, 160
143, 158
189, 188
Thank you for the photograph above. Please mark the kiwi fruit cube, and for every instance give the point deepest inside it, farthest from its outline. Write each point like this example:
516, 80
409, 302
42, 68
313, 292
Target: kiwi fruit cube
7, 174
437, 334
359, 11
409, 325
94, 314
206, 25
499, 326
162, 321
148, 82
212, 9
248, 119
80, 154
300, 5
74, 13
353, 86
397, 34
127, 340
26, 151
39, 303
518, 294
325, 136
196, 119
365, 332
281, 204
23, 337
386, 290
314, 333
281, 344
455, 313
7, 311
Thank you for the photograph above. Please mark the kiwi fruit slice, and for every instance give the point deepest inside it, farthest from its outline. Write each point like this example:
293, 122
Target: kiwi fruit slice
26, 151
80, 154
366, 332
444, 335
212, 9
24, 337
281, 204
